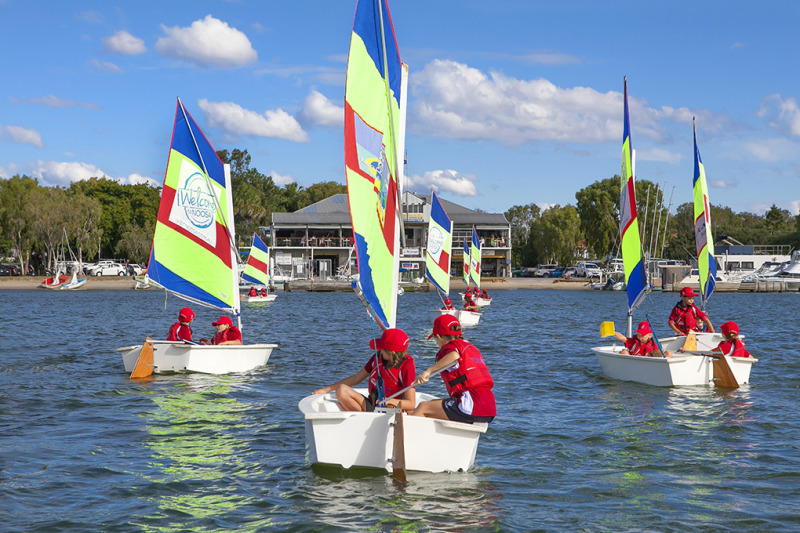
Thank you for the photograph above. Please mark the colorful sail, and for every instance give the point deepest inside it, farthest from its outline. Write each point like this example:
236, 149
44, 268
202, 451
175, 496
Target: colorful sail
706, 265
372, 117
257, 268
634, 265
475, 259
466, 263
437, 250
193, 254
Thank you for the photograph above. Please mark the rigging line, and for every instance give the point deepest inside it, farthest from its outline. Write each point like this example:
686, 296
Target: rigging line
210, 187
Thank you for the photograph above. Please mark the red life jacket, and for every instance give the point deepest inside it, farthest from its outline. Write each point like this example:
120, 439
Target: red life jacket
738, 349
176, 333
392, 377
253, 291
224, 336
263, 292
469, 373
635, 347
687, 318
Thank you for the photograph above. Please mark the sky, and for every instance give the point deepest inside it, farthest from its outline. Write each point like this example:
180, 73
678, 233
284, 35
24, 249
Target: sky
510, 102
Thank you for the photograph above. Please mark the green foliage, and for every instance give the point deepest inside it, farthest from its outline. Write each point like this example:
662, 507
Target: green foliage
521, 218
598, 209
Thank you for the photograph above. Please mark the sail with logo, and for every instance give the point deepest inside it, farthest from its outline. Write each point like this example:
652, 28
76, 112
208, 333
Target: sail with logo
437, 255
194, 256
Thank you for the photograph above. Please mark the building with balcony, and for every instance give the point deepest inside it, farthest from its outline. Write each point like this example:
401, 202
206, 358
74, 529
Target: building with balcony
317, 241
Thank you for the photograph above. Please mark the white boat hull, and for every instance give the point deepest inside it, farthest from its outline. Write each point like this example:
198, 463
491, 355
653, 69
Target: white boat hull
169, 356
436, 313
480, 302
259, 299
76, 283
468, 318
362, 439
678, 370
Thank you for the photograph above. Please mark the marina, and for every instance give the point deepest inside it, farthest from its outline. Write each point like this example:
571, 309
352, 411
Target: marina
570, 449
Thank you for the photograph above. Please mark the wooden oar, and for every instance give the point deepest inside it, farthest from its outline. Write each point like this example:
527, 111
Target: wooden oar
144, 364
399, 449
723, 375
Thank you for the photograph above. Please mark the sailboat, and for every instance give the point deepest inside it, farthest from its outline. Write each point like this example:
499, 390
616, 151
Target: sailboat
387, 438
256, 271
681, 368
194, 257
438, 252
77, 267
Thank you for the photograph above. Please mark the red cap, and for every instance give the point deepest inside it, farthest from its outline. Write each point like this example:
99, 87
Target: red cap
186, 315
394, 340
729, 329
687, 292
644, 328
446, 325
448, 301
223, 320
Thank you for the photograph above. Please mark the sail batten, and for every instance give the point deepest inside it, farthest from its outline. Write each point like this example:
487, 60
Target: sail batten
438, 247
372, 120
192, 256
631, 245
706, 265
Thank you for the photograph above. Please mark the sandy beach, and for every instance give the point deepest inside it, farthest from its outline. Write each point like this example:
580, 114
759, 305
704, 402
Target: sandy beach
125, 283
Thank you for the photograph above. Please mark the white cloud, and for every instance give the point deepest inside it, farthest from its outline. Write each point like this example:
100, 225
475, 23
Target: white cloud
106, 66
445, 180
124, 43
21, 135
771, 150
783, 116
279, 179
207, 43
794, 207
63, 173
135, 179
54, 101
317, 110
236, 120
658, 154
718, 184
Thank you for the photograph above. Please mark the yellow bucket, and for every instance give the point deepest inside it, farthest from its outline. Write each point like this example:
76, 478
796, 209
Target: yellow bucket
606, 329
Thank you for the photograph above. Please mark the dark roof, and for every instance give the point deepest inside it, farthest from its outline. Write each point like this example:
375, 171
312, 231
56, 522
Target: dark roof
336, 210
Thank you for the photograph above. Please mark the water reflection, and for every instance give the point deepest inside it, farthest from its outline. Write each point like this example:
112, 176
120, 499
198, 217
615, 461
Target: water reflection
197, 456
369, 498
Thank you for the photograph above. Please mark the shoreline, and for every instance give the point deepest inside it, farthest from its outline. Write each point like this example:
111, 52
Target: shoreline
125, 283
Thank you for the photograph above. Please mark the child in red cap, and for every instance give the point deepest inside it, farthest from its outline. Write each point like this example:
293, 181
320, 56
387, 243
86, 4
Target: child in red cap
686, 316
732, 346
448, 305
397, 371
180, 330
641, 343
227, 333
468, 382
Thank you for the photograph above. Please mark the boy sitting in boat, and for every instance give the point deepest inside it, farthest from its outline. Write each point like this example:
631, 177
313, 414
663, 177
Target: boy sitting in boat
641, 343
227, 333
686, 316
470, 305
180, 330
448, 304
395, 371
468, 382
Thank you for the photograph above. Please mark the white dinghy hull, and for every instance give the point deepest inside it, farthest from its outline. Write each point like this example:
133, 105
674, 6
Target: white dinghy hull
170, 356
678, 370
259, 299
360, 439
468, 319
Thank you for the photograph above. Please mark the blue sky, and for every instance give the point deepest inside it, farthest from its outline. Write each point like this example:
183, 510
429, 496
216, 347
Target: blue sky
510, 103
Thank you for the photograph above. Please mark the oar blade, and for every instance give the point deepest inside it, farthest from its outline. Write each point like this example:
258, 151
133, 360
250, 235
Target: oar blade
144, 364
723, 375
399, 449
606, 329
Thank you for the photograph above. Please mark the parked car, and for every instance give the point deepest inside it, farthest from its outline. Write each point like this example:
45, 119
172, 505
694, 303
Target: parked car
588, 270
138, 270
9, 270
557, 273
570, 272
114, 269
542, 271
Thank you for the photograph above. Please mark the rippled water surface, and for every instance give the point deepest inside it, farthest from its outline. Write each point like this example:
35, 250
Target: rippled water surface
83, 448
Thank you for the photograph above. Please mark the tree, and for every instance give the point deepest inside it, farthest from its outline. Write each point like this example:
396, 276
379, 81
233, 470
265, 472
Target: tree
521, 218
318, 192
18, 215
598, 209
84, 225
135, 242
557, 234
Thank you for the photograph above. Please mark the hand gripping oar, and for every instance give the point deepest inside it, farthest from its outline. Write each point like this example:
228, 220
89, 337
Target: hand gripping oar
144, 364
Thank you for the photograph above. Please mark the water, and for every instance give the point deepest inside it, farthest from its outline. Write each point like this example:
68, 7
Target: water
83, 448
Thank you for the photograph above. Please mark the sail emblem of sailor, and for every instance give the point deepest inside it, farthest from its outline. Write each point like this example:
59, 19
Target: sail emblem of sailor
372, 160
436, 238
194, 209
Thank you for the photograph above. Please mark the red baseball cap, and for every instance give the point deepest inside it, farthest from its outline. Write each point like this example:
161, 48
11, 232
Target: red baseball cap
223, 320
446, 325
687, 292
394, 340
644, 328
729, 329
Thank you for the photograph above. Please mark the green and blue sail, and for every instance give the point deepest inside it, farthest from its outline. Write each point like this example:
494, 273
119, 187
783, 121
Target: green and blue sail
706, 265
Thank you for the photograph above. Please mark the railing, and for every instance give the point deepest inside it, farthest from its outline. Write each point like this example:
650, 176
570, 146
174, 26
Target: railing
314, 242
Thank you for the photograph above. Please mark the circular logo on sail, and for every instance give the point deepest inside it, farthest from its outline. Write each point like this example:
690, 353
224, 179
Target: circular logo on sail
435, 240
196, 201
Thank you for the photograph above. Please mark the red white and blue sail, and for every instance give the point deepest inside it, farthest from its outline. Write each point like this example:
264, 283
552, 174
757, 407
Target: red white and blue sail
193, 254
475, 259
437, 249
632, 258
466, 263
706, 265
372, 120
256, 269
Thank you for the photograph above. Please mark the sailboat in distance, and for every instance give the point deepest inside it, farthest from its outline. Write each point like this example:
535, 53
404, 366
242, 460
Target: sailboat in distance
438, 253
256, 271
386, 438
194, 257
